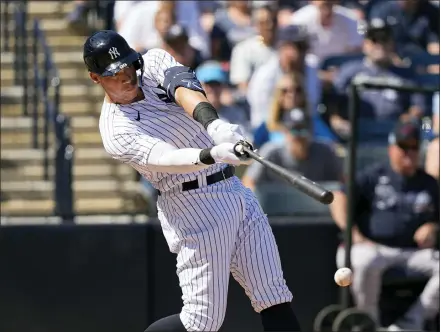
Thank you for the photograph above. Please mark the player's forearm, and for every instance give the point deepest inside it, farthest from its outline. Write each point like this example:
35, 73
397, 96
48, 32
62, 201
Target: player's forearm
178, 161
189, 99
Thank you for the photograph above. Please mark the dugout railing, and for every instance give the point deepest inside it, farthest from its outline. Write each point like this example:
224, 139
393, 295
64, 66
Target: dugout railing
37, 74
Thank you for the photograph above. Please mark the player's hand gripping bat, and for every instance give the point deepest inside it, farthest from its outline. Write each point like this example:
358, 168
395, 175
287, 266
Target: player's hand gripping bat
303, 184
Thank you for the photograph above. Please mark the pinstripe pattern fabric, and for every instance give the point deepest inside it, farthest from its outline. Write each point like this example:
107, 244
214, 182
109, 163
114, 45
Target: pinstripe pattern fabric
214, 230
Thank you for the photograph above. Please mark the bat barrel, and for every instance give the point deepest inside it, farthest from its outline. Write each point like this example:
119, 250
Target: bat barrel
302, 183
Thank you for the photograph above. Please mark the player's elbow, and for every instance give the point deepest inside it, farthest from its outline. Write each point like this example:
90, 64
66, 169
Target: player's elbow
188, 99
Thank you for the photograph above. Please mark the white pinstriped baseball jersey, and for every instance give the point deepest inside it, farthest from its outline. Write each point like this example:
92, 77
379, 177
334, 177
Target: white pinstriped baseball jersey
159, 120
214, 230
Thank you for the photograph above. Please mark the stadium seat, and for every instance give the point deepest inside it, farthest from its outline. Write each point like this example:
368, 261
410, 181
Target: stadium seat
284, 200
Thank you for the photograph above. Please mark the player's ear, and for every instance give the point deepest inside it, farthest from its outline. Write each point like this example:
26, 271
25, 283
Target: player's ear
95, 77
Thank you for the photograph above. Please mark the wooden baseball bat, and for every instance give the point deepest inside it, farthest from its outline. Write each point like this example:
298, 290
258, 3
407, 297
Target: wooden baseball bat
303, 184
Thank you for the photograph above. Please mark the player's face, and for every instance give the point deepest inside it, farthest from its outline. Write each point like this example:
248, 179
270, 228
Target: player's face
404, 158
121, 88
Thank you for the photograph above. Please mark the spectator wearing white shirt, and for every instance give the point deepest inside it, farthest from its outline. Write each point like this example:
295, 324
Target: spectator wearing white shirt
121, 11
291, 57
138, 26
332, 29
251, 53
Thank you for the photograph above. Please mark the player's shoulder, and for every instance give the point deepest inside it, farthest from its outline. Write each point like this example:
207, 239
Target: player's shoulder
114, 121
157, 57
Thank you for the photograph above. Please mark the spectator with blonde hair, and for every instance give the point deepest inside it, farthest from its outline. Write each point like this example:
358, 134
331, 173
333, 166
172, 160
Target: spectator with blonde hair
288, 94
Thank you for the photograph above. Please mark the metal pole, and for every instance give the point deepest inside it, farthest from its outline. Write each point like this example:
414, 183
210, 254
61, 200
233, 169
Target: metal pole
35, 89
6, 25
16, 42
47, 114
24, 73
351, 167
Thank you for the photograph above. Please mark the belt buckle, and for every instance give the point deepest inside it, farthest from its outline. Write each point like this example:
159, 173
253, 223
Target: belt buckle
223, 174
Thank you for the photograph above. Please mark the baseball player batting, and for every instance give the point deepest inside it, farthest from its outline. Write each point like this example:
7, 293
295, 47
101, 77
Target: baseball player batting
156, 118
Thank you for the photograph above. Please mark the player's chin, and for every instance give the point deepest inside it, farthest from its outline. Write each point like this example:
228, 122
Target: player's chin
131, 88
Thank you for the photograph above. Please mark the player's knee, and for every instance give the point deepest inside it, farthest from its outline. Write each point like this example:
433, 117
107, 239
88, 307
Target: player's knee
270, 295
201, 321
365, 259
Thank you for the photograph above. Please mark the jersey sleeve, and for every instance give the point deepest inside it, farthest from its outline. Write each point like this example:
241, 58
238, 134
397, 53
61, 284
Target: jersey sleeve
156, 62
133, 148
147, 154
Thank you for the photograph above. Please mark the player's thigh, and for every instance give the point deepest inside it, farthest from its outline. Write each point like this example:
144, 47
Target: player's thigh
203, 272
256, 262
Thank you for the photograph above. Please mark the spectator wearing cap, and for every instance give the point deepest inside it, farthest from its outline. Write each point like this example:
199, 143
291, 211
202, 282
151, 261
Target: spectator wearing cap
290, 58
176, 42
138, 27
332, 29
432, 153
214, 81
396, 224
378, 108
251, 53
415, 24
231, 26
299, 152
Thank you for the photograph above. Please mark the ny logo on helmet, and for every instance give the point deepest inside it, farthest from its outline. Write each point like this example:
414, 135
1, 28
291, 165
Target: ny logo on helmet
113, 53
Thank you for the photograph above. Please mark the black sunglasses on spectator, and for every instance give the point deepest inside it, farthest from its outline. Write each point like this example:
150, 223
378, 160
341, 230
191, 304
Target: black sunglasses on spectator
296, 89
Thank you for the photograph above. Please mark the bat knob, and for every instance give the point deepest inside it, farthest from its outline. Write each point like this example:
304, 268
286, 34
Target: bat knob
238, 150
327, 197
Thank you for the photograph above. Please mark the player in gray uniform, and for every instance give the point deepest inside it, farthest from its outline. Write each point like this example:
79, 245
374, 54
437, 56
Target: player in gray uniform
156, 118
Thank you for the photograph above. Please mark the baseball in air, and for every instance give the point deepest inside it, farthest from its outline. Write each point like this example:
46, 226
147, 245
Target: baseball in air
343, 277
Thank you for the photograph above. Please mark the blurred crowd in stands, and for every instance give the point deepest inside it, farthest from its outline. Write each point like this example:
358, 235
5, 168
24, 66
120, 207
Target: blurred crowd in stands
266, 64
282, 70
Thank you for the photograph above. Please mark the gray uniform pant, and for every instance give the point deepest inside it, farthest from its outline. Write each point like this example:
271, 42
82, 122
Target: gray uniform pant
370, 261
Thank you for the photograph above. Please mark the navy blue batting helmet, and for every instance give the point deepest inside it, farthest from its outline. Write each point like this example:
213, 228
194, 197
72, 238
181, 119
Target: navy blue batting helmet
106, 52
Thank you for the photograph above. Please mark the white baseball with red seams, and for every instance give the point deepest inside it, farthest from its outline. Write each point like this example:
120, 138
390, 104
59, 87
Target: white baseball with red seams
343, 277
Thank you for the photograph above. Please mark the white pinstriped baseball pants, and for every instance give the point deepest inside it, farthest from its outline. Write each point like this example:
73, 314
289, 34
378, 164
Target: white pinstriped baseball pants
216, 230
